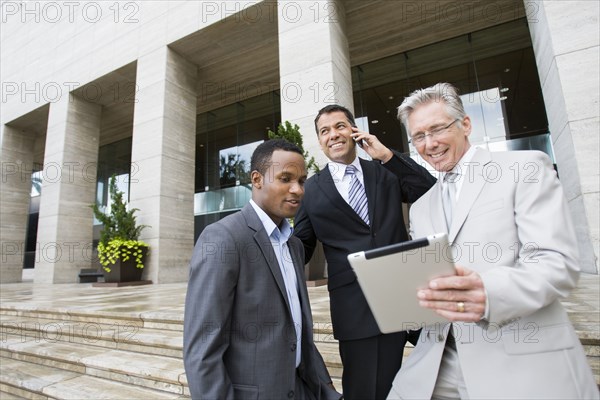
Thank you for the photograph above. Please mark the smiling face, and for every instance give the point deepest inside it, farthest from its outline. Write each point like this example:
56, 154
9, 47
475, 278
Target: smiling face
334, 132
279, 191
445, 150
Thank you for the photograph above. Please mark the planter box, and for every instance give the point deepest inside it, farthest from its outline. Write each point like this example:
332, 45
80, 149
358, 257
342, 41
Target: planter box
126, 271
123, 271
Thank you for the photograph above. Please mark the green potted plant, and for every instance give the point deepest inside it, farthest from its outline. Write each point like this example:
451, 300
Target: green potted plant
120, 252
292, 134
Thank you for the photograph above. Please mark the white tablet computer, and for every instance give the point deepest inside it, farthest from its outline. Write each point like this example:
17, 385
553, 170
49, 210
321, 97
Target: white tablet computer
390, 277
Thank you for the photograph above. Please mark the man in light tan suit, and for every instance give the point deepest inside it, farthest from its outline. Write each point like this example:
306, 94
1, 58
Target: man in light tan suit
514, 246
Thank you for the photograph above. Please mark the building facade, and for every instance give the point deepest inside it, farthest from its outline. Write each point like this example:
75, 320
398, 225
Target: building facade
172, 97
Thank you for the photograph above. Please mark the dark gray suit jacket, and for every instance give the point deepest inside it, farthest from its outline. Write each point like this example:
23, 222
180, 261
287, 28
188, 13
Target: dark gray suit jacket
239, 337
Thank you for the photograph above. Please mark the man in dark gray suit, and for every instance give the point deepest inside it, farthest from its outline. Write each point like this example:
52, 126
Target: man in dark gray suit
248, 325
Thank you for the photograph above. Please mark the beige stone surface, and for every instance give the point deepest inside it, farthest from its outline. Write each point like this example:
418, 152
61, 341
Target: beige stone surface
158, 312
17, 158
321, 77
33, 377
566, 46
65, 218
19, 393
87, 387
165, 369
9, 396
163, 150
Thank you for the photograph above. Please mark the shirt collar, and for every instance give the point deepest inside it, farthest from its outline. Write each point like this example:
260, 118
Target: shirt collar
459, 168
338, 170
284, 232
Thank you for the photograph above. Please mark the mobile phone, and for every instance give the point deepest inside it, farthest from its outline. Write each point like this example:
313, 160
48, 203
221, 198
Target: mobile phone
358, 142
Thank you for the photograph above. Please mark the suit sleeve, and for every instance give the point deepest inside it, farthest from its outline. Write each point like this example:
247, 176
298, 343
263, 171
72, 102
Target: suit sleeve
545, 266
415, 180
208, 309
304, 231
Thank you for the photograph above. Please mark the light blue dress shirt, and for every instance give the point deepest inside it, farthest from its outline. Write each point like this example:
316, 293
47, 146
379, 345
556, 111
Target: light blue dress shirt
279, 238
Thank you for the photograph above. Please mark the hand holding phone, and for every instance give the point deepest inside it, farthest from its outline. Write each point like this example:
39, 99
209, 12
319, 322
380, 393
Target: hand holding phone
360, 142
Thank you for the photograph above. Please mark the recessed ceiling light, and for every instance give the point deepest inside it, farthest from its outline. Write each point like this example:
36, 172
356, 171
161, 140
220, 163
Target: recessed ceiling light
504, 89
375, 121
391, 97
507, 70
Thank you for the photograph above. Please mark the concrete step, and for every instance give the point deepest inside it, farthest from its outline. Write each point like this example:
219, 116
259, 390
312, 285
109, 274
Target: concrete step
122, 335
10, 396
140, 370
331, 357
21, 379
137, 340
117, 315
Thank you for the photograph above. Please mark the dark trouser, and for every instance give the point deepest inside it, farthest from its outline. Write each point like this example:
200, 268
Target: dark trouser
370, 365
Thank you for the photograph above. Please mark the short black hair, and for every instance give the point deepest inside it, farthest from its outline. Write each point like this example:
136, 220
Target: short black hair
261, 157
334, 108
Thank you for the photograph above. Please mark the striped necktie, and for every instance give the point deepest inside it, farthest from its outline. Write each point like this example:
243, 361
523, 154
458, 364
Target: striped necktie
357, 197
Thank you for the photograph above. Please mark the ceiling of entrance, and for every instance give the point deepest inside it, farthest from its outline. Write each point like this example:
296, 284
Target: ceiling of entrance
236, 57
413, 24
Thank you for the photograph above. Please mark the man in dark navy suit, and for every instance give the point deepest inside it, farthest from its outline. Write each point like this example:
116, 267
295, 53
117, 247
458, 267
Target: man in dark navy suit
371, 359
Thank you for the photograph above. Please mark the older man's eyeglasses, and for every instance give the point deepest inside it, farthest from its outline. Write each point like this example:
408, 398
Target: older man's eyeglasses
420, 137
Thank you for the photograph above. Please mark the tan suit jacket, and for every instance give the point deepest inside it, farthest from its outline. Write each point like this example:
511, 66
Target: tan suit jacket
511, 225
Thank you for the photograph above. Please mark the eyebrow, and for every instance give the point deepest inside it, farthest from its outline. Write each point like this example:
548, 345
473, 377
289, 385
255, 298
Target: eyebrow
432, 127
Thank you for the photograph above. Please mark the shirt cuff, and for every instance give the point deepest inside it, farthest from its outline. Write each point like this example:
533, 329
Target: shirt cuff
486, 313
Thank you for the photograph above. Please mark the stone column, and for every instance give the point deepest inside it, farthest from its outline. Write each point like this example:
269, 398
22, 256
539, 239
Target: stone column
314, 64
314, 67
15, 189
163, 162
64, 240
566, 43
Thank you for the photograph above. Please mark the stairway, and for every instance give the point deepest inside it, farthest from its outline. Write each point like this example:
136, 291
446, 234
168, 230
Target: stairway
73, 341
65, 355
62, 354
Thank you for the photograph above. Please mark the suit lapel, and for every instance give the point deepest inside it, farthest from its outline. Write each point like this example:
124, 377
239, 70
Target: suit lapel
469, 191
263, 242
325, 182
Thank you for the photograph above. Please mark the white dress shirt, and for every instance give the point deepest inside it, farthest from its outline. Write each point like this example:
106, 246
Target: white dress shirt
341, 180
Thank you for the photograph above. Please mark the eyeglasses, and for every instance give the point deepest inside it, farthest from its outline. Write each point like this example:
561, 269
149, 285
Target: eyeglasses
419, 138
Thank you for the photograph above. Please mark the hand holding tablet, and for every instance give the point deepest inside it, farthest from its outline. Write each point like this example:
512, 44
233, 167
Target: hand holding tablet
390, 277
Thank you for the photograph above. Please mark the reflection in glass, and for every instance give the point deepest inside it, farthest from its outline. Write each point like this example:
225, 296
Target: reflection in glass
234, 164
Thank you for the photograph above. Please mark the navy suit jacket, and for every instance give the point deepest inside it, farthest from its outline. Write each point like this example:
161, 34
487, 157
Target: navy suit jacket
324, 215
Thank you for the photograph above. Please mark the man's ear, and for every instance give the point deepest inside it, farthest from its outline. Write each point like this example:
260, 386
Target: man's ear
466, 124
257, 179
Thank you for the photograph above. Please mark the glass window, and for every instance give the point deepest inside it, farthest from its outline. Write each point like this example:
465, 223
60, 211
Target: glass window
113, 159
225, 140
494, 69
